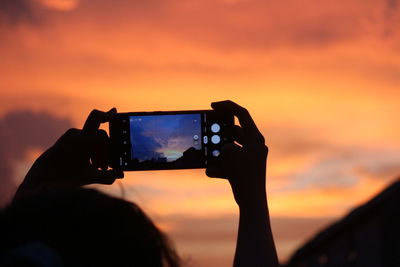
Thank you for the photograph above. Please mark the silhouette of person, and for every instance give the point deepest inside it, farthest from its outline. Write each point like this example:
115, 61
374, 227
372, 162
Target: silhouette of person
54, 222
80, 227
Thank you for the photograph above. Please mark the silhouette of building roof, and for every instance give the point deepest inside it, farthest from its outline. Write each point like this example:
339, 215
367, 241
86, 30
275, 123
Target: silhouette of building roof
383, 211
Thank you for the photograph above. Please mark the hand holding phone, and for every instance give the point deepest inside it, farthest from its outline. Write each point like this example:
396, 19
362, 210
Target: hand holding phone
79, 157
243, 163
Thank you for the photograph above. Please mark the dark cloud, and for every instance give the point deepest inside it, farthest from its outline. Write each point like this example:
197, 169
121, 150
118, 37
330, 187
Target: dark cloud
391, 15
15, 11
19, 132
392, 4
186, 127
145, 146
40, 99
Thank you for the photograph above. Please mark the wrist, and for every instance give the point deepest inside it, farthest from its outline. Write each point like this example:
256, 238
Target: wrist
256, 214
254, 202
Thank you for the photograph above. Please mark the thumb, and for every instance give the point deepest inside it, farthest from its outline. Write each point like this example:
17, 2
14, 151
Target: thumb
95, 176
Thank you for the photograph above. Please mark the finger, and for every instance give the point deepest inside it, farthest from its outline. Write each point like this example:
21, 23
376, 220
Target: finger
236, 133
71, 147
69, 136
95, 118
213, 172
95, 176
249, 127
230, 156
100, 150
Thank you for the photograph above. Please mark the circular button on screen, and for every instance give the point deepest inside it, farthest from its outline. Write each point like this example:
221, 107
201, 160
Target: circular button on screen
215, 139
216, 153
215, 128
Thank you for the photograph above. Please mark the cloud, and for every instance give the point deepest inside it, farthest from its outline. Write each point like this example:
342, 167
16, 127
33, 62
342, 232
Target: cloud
13, 12
20, 131
286, 141
379, 166
255, 24
191, 232
146, 146
344, 167
16, 11
391, 15
239, 25
391, 6
205, 37
314, 158
39, 100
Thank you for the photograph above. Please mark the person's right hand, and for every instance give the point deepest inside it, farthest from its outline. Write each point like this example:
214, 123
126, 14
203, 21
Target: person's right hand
244, 165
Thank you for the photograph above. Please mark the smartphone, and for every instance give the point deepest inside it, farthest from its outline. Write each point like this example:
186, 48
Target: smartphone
168, 140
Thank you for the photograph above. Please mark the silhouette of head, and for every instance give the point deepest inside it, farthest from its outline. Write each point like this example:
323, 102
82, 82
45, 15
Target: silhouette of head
80, 227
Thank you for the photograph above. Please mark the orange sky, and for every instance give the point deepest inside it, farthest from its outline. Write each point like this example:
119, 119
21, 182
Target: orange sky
321, 80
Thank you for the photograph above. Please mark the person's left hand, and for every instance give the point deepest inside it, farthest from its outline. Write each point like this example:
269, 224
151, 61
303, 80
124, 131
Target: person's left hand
79, 157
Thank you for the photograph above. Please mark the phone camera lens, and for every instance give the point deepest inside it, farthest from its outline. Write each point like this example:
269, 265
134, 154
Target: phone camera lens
215, 139
196, 137
215, 128
216, 153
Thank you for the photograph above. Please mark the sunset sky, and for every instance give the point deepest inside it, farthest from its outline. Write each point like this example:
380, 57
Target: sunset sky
320, 78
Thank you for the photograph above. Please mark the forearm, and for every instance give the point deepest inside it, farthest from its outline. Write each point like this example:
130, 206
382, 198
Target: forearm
255, 244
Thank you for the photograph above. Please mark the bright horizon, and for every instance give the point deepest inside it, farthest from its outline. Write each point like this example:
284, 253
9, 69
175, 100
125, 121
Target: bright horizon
321, 81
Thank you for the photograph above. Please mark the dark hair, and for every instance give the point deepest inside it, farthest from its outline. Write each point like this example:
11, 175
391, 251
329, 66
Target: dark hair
85, 228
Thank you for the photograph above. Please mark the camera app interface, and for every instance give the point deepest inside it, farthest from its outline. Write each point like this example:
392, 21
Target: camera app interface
166, 139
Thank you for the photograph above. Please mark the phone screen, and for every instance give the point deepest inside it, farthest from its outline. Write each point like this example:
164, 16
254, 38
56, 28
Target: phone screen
168, 140
164, 138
